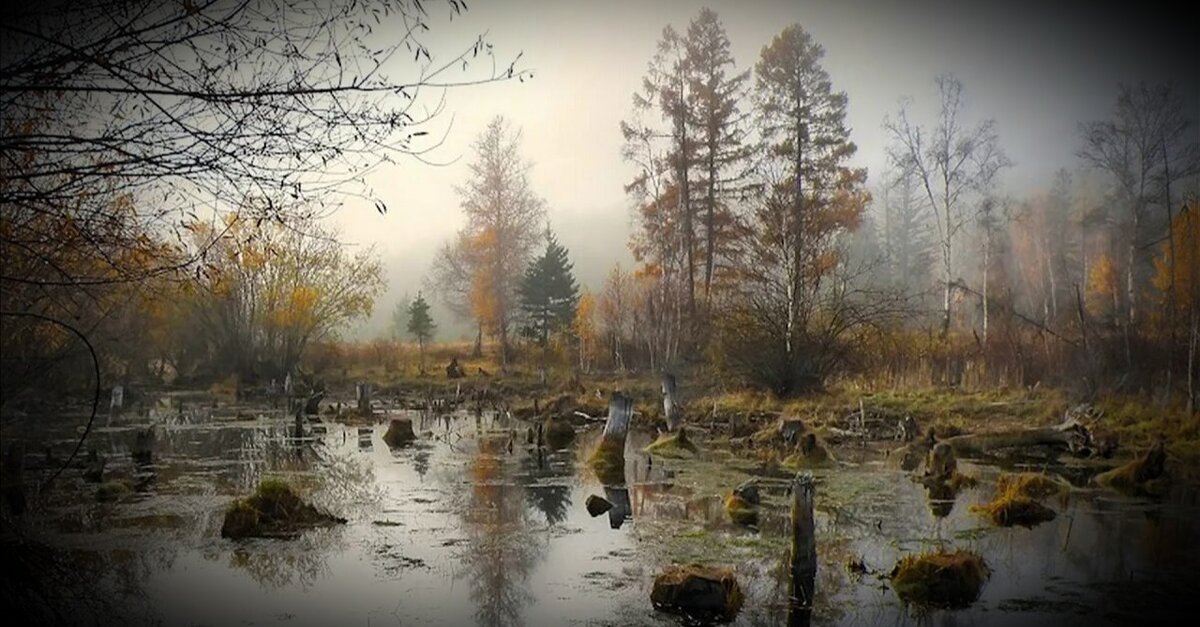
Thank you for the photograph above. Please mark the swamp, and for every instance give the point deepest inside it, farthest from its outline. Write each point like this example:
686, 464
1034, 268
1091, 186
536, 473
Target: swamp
428, 312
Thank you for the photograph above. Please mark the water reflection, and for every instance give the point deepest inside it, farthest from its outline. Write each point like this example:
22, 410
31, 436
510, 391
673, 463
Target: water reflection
512, 527
500, 552
621, 509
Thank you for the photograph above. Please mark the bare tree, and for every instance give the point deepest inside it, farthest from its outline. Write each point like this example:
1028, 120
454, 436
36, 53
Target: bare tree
1142, 148
954, 162
504, 224
147, 114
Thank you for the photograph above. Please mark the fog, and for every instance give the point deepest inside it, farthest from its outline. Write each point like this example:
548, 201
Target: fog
1038, 69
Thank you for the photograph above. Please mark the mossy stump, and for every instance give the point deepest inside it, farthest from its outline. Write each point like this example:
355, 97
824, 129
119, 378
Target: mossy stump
1017, 500
1145, 475
811, 453
559, 432
608, 461
740, 511
113, 491
400, 433
673, 445
1031, 485
274, 510
700, 593
940, 579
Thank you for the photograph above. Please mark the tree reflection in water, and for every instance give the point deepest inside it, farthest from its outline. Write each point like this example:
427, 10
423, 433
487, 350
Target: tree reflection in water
541, 472
500, 551
274, 566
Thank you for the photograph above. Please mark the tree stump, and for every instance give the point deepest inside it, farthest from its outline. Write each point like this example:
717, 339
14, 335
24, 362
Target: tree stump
670, 402
362, 395
608, 460
803, 554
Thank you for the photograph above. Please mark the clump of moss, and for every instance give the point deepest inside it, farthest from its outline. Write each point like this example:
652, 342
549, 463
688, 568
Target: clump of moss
113, 491
1032, 485
1017, 500
1144, 475
1008, 510
673, 445
399, 433
274, 510
811, 454
940, 579
741, 511
558, 431
700, 593
608, 461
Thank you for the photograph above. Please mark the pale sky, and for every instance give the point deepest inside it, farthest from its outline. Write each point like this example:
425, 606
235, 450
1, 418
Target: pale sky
1038, 68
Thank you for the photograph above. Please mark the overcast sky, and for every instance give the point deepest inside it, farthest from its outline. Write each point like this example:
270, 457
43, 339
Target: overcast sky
1038, 68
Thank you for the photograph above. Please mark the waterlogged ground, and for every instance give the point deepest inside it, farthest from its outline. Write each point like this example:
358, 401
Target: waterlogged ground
458, 530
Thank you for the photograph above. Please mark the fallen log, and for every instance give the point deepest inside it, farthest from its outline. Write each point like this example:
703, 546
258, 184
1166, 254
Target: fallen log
1070, 435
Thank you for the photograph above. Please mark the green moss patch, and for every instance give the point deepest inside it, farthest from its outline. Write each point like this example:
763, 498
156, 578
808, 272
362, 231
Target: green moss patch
673, 445
940, 579
699, 593
274, 510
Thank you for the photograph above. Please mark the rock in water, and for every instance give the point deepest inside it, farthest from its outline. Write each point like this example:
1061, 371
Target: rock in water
399, 433
597, 505
701, 593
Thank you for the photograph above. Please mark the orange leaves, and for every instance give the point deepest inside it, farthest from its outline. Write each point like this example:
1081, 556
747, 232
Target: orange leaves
1101, 285
1181, 272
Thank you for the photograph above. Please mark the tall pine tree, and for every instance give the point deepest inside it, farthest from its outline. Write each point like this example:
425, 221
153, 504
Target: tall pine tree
549, 292
714, 91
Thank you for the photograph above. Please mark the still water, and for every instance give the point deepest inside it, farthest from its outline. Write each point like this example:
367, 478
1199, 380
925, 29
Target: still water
457, 529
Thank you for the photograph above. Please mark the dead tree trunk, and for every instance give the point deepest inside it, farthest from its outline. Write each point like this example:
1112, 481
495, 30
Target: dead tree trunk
1069, 435
620, 410
670, 402
803, 552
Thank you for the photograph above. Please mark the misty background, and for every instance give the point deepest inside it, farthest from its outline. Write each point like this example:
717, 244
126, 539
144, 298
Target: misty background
1038, 69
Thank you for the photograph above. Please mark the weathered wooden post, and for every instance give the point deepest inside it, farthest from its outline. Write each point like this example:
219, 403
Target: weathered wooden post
608, 460
670, 401
804, 550
362, 394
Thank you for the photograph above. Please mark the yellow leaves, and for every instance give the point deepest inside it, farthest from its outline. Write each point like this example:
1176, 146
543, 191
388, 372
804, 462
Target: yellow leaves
1101, 284
1185, 278
296, 310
